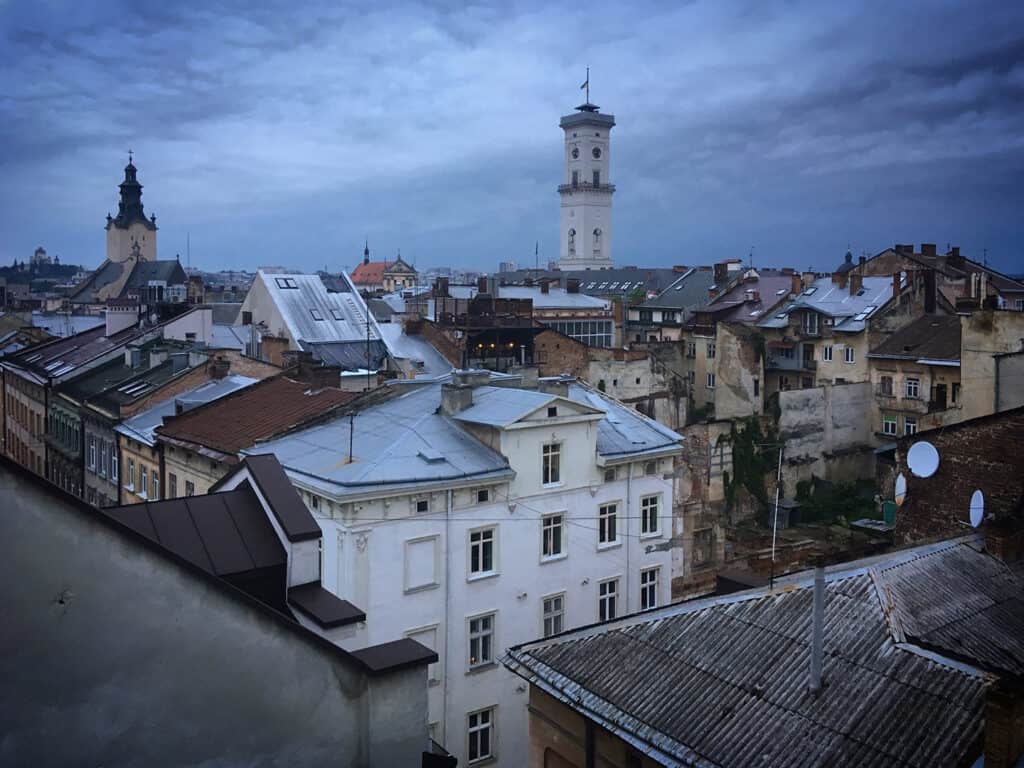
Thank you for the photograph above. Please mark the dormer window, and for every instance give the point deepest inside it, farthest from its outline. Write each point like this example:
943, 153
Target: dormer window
811, 323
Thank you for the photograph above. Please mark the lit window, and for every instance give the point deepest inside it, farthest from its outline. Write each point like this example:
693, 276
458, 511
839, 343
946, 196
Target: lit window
649, 588
481, 735
910, 425
481, 641
889, 425
551, 463
607, 524
607, 598
554, 615
913, 388
481, 552
649, 514
552, 539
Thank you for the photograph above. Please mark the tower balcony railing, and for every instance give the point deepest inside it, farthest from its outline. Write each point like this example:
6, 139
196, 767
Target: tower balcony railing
586, 186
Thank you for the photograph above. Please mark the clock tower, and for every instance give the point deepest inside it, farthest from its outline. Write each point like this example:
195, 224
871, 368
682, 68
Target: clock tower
585, 221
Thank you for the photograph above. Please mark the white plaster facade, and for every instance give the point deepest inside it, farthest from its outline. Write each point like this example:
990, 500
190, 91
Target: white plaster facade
406, 556
585, 218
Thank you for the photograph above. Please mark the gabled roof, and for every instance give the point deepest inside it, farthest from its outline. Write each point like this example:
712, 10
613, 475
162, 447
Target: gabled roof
504, 406
686, 293
371, 273
850, 310
255, 413
929, 337
723, 681
60, 357
736, 305
169, 271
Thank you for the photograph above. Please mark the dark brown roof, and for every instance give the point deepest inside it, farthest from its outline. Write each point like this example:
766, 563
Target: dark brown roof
395, 655
223, 533
255, 413
326, 609
296, 521
933, 337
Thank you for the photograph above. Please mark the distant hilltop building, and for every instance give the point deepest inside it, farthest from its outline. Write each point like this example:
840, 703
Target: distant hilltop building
585, 229
39, 258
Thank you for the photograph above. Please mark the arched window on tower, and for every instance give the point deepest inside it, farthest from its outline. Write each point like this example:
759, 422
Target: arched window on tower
572, 241
597, 241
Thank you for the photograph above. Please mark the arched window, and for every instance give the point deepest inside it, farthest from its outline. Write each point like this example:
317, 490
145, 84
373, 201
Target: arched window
572, 240
597, 240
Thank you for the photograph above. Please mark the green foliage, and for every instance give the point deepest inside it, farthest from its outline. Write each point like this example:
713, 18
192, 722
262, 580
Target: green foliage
751, 459
637, 296
838, 502
772, 407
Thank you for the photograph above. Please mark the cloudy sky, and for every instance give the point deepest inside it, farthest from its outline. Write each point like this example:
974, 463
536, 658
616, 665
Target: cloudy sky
288, 133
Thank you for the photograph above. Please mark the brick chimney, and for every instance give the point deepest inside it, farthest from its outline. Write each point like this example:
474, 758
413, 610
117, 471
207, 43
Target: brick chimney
219, 367
927, 249
796, 286
856, 283
441, 287
457, 395
545, 286
722, 274
481, 285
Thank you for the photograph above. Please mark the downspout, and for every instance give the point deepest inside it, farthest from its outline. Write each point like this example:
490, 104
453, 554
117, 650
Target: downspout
447, 600
629, 517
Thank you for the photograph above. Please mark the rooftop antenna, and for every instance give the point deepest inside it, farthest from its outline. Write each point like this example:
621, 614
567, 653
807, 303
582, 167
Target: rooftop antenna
984, 257
188, 249
536, 255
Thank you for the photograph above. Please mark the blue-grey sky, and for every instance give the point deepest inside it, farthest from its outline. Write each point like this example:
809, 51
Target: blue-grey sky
285, 133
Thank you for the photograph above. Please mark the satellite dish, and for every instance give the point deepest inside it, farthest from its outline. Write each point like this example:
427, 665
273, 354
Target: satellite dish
923, 459
977, 508
901, 489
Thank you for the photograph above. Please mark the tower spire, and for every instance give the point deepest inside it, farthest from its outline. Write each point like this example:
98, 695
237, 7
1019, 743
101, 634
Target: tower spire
366, 252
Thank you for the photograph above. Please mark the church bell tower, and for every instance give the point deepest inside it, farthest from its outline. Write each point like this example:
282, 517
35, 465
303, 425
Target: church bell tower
130, 235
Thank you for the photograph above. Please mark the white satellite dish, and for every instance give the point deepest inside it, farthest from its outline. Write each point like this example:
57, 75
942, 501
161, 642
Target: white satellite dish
901, 489
977, 508
923, 459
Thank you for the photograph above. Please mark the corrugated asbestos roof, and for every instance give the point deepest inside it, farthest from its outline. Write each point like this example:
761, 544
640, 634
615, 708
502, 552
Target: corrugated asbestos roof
724, 681
312, 313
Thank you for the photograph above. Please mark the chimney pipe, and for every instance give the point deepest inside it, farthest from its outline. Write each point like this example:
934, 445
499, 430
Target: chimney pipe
818, 626
896, 285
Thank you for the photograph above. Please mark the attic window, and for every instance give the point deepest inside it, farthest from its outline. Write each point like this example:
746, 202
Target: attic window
317, 314
552, 411
422, 506
483, 496
336, 314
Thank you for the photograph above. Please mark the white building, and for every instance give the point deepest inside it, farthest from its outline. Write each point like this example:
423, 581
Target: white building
472, 515
585, 223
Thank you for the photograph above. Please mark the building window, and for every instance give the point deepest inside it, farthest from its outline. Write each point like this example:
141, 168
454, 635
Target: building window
575, 178
190, 488
651, 468
554, 615
481, 641
113, 463
912, 388
483, 496
888, 424
481, 735
92, 452
712, 347
649, 588
609, 475
597, 178
154, 494
607, 598
910, 425
130, 484
552, 411
956, 391
314, 502
607, 524
848, 354
691, 349
885, 386
481, 552
143, 479
711, 381
811, 323
649, 514
826, 353
552, 541
422, 506
172, 485
551, 463
757, 387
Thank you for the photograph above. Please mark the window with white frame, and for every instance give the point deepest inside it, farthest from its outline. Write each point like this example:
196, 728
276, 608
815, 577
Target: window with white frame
143, 479
826, 353
910, 425
113, 463
481, 640
811, 323
912, 388
649, 579
888, 424
480, 735
130, 478
848, 354
712, 348
154, 489
554, 614
607, 599
551, 463
607, 524
92, 452
481, 552
711, 381
649, 506
552, 536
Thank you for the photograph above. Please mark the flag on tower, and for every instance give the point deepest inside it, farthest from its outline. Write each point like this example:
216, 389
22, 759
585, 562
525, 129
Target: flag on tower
585, 83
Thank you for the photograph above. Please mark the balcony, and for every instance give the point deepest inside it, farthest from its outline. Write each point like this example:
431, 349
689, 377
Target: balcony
585, 186
780, 363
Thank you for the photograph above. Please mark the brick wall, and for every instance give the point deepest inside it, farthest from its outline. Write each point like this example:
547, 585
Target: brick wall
451, 350
985, 454
556, 354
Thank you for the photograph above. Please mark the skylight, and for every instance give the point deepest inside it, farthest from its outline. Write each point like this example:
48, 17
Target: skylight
810, 290
336, 314
317, 314
286, 282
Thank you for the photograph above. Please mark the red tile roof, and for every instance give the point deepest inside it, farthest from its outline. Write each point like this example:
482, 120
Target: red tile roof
255, 413
371, 273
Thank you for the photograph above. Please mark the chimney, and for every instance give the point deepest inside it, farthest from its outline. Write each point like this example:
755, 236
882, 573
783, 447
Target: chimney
795, 285
481, 285
896, 285
929, 291
545, 286
572, 285
839, 278
219, 367
818, 626
861, 262
132, 356
457, 396
856, 283
807, 279
1004, 726
722, 273
927, 249
555, 385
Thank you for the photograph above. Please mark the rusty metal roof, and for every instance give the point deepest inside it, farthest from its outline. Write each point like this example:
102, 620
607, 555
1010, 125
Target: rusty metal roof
724, 681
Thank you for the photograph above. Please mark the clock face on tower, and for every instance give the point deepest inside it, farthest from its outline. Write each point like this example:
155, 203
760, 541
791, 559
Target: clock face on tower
575, 153
596, 153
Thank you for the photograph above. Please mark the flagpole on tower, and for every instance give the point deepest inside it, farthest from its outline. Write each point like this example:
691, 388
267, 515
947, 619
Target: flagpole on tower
586, 84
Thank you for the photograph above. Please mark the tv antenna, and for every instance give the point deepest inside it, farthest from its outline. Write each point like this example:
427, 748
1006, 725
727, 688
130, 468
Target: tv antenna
923, 459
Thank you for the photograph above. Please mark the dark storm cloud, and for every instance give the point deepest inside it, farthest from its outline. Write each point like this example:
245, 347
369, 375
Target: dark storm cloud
284, 133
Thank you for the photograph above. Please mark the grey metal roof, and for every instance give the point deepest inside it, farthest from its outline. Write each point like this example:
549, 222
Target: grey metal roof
141, 426
555, 298
851, 311
623, 431
414, 348
724, 681
229, 336
169, 271
688, 292
61, 324
600, 282
349, 355
501, 406
343, 315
